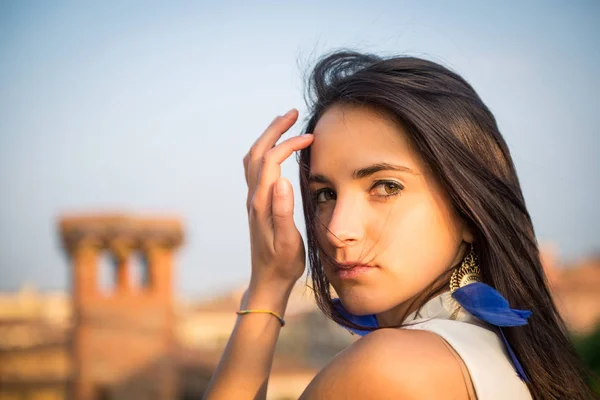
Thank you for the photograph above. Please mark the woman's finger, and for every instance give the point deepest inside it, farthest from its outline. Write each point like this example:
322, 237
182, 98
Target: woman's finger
284, 228
246, 159
265, 143
270, 169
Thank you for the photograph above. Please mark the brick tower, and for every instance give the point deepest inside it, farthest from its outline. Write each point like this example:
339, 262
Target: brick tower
122, 336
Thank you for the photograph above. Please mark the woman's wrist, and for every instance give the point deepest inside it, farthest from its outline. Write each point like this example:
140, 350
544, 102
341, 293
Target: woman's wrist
272, 296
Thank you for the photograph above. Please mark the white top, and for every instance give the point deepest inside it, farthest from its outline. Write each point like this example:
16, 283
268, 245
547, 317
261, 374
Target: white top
480, 347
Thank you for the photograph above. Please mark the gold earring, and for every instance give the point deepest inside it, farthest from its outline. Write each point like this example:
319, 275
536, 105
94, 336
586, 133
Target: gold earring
467, 273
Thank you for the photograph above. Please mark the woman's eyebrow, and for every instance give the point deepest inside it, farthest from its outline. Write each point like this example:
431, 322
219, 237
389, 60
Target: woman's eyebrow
364, 172
371, 169
318, 178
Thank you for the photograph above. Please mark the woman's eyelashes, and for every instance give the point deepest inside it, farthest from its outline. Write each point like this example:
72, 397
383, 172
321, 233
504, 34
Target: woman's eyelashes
382, 189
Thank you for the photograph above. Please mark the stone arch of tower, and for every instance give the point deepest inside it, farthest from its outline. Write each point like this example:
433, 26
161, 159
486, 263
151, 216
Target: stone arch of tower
122, 339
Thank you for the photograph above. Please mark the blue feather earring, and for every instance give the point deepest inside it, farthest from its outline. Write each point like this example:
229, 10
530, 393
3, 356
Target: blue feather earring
485, 303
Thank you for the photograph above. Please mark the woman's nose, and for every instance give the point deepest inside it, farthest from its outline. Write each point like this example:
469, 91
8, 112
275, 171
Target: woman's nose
345, 227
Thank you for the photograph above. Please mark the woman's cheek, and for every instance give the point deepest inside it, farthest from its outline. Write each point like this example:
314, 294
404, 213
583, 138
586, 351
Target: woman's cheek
420, 244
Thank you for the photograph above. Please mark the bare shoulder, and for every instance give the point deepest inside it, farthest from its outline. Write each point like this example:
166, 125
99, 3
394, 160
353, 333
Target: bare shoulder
394, 364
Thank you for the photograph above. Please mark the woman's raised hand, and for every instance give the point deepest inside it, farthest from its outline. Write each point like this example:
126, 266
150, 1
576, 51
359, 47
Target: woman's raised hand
278, 255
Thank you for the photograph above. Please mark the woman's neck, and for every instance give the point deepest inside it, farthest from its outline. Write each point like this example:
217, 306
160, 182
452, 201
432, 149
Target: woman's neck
395, 316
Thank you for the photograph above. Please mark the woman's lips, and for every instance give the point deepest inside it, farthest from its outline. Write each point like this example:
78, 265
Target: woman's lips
353, 272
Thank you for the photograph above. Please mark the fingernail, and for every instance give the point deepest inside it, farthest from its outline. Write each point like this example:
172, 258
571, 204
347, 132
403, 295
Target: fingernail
281, 188
287, 114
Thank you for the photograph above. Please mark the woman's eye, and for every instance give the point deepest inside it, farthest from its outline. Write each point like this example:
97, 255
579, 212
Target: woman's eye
323, 195
387, 188
380, 189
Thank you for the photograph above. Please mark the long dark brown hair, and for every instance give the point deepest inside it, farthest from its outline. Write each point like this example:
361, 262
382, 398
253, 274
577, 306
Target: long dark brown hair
458, 138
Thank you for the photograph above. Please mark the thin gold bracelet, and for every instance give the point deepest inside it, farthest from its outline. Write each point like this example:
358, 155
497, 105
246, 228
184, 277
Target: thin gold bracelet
243, 312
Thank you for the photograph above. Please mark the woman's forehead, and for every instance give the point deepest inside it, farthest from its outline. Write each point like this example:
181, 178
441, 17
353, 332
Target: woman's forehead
351, 137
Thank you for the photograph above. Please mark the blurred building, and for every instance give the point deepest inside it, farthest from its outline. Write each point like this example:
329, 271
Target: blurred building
35, 361
576, 290
122, 336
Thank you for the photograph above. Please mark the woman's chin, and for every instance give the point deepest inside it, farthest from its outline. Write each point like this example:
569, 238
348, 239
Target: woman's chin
359, 305
359, 299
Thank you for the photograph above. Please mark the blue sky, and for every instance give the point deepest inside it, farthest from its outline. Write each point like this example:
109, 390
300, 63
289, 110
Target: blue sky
150, 107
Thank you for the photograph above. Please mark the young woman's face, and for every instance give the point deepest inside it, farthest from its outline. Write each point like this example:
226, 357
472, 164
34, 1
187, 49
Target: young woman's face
378, 205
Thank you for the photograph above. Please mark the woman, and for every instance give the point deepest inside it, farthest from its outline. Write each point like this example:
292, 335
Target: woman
415, 217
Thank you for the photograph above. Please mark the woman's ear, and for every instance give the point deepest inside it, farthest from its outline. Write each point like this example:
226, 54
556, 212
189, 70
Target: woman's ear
467, 233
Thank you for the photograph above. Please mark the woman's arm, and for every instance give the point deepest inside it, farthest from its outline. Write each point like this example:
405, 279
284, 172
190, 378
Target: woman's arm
278, 261
243, 371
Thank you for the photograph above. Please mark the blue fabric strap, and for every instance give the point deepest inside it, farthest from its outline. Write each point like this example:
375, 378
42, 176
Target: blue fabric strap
487, 304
